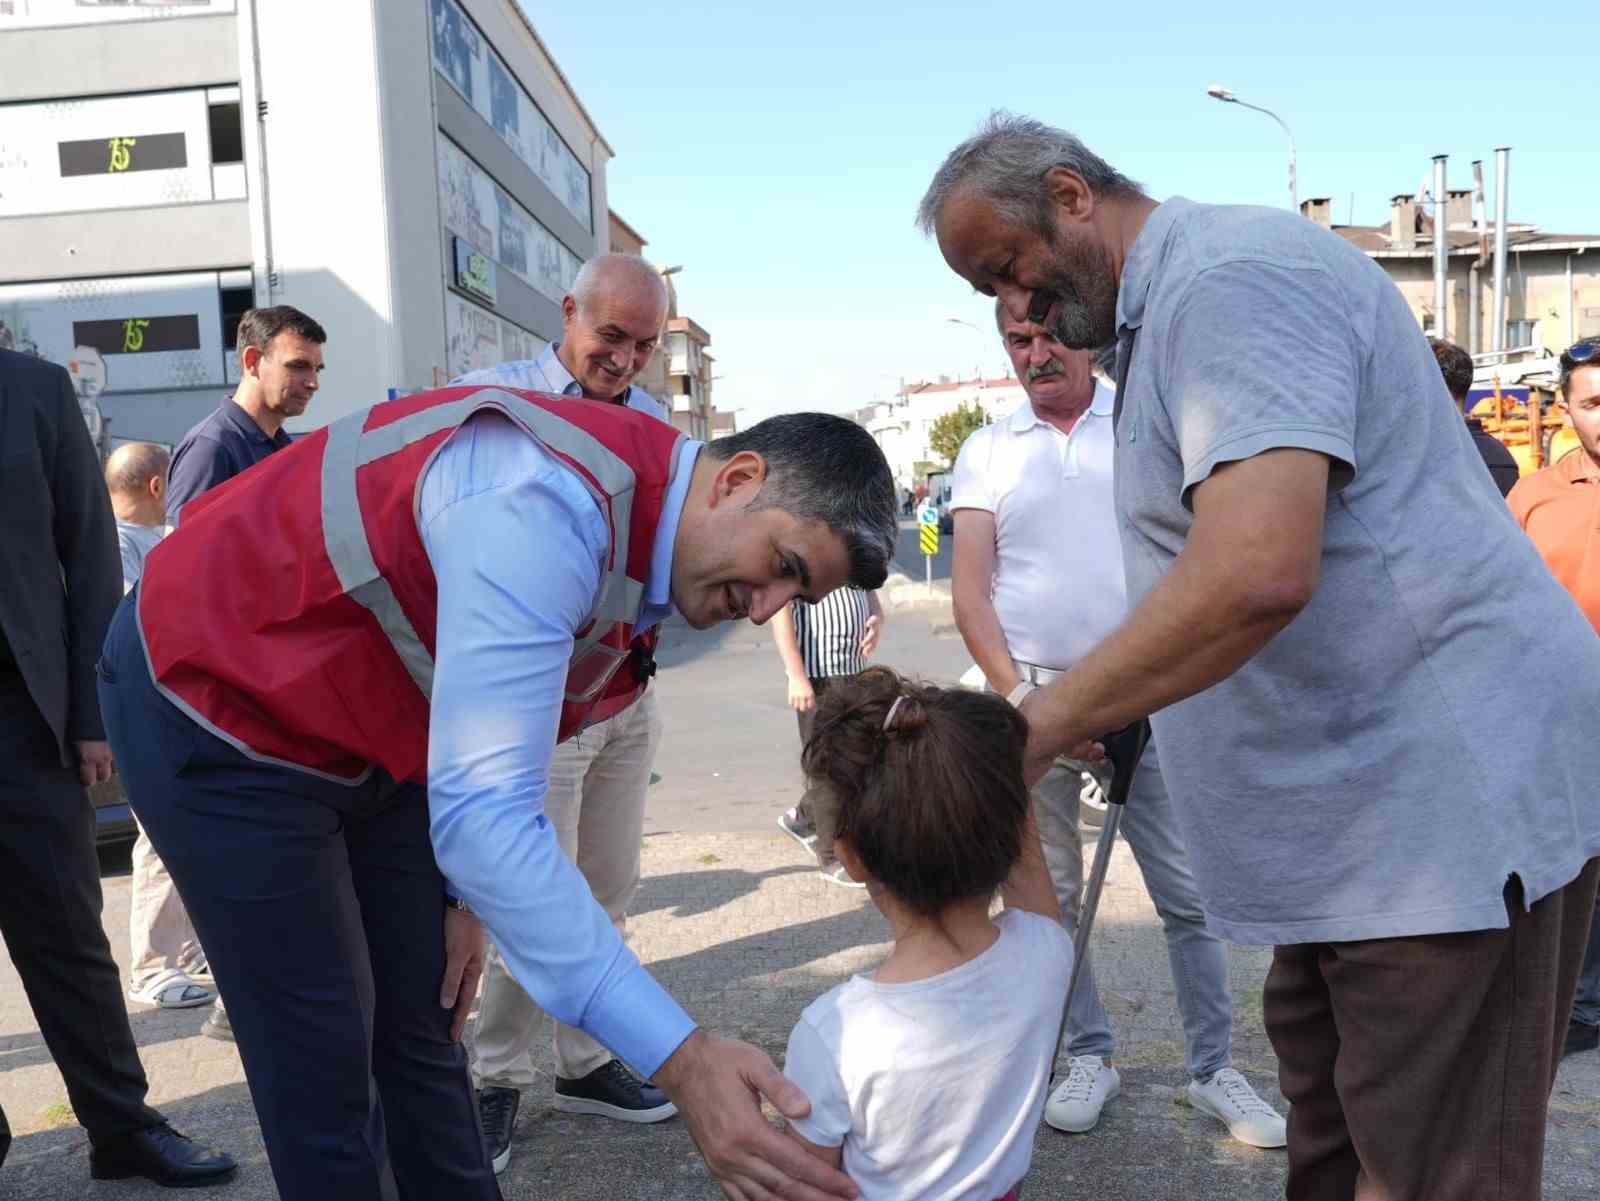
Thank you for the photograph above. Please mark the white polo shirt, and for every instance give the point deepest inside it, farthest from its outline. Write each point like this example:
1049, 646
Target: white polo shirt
1058, 584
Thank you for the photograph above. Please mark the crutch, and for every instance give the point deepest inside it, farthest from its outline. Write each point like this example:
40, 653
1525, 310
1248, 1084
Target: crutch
1123, 749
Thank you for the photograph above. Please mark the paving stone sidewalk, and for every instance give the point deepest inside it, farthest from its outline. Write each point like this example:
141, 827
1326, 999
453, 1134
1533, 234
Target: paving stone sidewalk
745, 934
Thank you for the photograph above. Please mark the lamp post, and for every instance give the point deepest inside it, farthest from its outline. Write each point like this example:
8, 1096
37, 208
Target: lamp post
1217, 92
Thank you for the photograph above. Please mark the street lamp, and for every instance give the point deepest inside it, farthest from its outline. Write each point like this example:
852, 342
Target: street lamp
1217, 92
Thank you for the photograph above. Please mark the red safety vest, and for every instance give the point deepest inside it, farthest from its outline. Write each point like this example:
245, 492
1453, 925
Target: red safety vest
293, 613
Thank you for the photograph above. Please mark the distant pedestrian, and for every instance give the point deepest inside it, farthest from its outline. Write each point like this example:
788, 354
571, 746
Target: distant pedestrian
59, 543
821, 645
1560, 508
166, 965
280, 363
1037, 581
1322, 592
1455, 365
926, 1076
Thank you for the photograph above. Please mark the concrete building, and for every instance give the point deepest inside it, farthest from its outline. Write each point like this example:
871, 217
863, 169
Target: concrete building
418, 175
690, 370
901, 426
1552, 280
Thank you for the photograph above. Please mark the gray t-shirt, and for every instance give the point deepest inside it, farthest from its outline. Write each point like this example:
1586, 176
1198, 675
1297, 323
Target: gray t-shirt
1424, 728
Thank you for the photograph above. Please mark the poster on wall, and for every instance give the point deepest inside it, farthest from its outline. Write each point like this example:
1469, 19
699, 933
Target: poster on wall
27, 14
471, 65
480, 212
475, 338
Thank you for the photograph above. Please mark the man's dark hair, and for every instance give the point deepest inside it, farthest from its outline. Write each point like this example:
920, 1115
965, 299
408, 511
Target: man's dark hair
1455, 365
828, 469
259, 326
935, 805
1569, 364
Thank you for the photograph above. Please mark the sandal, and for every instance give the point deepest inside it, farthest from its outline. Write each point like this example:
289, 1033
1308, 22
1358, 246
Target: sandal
175, 992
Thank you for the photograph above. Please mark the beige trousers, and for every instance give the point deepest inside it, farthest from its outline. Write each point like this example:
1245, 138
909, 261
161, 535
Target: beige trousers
596, 804
162, 941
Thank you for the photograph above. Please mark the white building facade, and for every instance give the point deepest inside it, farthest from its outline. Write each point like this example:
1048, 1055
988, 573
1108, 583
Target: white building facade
901, 426
417, 175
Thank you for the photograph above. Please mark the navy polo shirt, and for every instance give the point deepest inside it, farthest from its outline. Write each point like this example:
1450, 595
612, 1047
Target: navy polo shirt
219, 448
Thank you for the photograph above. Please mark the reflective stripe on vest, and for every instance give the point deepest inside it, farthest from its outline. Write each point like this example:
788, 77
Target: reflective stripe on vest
350, 447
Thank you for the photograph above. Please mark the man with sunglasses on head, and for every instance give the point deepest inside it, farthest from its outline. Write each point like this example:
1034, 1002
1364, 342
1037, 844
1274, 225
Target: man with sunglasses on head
1559, 507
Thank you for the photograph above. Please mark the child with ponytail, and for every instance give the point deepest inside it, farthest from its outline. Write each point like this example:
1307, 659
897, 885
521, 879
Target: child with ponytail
928, 1077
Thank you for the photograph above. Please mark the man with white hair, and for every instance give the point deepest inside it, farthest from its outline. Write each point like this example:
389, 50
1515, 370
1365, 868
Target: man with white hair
611, 323
166, 966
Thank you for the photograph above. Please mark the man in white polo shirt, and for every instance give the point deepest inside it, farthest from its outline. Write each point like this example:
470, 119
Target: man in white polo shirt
1037, 581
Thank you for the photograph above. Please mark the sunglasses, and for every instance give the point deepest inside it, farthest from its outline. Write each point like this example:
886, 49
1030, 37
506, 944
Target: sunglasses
1579, 353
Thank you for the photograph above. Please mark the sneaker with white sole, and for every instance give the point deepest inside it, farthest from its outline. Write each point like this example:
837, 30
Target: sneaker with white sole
834, 873
1228, 1097
1077, 1101
797, 828
612, 1091
497, 1115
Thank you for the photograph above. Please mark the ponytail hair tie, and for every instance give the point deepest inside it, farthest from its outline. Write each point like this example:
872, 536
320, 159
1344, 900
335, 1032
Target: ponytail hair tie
893, 709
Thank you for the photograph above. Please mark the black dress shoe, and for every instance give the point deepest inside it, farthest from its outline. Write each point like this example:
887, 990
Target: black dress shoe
161, 1154
1580, 1037
612, 1091
497, 1114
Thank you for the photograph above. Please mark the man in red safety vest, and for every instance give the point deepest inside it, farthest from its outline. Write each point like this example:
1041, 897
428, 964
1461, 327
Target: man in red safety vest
338, 687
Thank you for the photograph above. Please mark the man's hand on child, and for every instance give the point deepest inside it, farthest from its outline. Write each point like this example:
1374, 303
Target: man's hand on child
718, 1085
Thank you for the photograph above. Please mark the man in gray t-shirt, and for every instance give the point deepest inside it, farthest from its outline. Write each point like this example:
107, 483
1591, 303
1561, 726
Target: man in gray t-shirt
1325, 595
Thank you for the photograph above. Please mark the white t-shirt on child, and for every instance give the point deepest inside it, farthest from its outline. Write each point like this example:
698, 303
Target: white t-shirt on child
935, 1087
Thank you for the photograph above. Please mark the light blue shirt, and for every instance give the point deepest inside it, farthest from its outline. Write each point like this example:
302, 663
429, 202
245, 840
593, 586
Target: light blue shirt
517, 544
548, 373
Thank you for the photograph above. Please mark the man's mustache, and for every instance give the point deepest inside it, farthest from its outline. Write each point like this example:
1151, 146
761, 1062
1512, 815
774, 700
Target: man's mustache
1044, 369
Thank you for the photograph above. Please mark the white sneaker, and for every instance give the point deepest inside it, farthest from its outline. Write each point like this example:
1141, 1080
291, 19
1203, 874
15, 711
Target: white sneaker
1228, 1097
173, 991
1076, 1104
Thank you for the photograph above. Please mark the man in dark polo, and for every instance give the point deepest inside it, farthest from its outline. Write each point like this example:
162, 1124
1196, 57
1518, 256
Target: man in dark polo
1455, 365
60, 579
280, 358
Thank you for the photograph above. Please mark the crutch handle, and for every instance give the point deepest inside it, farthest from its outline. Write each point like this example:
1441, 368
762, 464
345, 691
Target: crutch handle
1123, 749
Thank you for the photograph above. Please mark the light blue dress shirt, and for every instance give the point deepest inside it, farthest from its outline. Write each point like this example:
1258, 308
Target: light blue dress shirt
517, 545
548, 373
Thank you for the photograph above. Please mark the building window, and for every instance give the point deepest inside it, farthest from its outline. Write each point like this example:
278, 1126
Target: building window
227, 135
235, 302
1519, 334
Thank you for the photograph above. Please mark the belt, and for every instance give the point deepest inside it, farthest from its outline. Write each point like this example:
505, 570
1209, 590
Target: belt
1035, 674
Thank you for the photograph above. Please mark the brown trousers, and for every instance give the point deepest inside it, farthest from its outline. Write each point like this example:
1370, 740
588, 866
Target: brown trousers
1420, 1069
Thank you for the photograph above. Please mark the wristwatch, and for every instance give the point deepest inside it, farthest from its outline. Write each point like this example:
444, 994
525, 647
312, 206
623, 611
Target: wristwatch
1014, 697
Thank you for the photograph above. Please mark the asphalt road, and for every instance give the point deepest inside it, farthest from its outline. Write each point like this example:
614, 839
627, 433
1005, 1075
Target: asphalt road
730, 760
908, 555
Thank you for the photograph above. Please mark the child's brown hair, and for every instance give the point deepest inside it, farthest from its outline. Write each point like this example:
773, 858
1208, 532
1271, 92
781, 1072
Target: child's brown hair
934, 802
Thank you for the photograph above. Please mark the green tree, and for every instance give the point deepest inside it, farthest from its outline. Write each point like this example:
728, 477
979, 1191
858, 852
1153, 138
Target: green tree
948, 432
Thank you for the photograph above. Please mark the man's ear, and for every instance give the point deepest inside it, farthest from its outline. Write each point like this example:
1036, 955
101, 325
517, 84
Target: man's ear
249, 360
1073, 199
157, 486
569, 310
742, 473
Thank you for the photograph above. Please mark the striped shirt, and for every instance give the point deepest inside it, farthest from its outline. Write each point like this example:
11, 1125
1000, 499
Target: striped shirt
829, 633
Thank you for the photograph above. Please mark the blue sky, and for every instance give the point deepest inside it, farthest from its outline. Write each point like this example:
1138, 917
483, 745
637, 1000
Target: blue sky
779, 153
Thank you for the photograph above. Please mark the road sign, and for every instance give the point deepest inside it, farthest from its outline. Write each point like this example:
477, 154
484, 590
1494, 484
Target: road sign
930, 540
928, 515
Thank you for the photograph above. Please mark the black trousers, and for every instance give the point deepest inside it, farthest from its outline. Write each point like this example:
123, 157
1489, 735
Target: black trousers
321, 909
50, 919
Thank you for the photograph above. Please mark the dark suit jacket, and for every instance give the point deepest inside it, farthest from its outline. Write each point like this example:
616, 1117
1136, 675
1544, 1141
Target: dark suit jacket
60, 573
